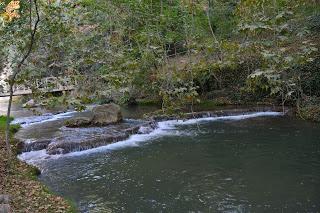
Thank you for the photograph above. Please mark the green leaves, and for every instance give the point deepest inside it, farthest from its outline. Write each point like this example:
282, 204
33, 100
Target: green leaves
274, 29
167, 47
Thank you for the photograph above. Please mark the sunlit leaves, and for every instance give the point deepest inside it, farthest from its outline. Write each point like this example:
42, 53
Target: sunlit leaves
10, 12
272, 27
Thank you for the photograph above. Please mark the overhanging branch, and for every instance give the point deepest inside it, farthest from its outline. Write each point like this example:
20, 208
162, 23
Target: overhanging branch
32, 39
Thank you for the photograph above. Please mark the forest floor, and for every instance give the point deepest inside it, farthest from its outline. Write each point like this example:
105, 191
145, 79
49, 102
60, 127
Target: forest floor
27, 194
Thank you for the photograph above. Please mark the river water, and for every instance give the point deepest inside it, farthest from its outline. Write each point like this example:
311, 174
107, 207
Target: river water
258, 162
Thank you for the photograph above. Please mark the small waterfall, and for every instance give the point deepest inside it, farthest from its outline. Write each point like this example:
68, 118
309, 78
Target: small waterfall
75, 141
25, 121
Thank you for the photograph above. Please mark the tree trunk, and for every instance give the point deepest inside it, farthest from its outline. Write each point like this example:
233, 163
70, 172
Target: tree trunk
18, 70
8, 120
212, 31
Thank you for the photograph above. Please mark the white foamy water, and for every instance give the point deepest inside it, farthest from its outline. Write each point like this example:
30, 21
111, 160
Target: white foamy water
164, 128
25, 121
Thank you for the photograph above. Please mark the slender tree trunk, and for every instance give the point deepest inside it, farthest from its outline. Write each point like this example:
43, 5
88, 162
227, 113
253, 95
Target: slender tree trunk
18, 70
8, 120
212, 31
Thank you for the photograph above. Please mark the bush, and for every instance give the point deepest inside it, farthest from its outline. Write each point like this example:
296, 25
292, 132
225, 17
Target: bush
13, 127
310, 77
310, 109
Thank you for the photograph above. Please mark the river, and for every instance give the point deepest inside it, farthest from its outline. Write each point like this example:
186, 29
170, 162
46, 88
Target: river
261, 162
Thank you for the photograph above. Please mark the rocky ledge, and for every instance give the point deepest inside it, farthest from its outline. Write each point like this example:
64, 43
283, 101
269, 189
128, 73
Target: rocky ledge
78, 139
223, 112
103, 128
108, 135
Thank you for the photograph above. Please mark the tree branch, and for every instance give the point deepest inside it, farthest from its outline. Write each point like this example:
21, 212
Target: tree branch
18, 70
32, 39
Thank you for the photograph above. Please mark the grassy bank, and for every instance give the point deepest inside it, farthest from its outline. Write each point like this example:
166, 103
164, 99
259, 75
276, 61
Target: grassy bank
19, 180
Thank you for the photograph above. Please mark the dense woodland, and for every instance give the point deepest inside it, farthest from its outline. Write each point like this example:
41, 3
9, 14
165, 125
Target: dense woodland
179, 52
174, 53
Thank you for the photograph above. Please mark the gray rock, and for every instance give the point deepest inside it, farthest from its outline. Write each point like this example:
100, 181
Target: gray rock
33, 146
78, 122
4, 198
56, 150
145, 129
63, 147
106, 114
101, 115
30, 104
112, 134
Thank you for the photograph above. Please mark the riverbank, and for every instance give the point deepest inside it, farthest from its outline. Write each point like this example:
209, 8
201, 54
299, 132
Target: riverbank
27, 194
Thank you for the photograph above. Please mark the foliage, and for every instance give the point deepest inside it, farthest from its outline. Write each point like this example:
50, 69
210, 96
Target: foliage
271, 26
173, 51
310, 109
8, 12
13, 127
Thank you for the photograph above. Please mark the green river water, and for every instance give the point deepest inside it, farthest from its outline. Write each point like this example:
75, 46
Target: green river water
262, 164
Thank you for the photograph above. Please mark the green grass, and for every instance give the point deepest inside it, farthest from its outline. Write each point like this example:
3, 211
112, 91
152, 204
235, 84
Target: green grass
13, 127
73, 208
33, 173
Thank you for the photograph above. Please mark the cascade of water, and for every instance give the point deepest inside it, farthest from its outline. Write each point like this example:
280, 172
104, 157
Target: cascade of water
99, 138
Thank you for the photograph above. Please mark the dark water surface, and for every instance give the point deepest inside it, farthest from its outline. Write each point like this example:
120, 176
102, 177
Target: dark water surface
266, 164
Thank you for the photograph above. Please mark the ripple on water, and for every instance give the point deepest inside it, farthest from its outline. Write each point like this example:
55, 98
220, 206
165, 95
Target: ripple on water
227, 167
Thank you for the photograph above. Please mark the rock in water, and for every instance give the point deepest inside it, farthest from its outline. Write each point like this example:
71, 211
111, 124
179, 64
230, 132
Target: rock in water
78, 122
4, 199
28, 146
30, 104
89, 138
106, 114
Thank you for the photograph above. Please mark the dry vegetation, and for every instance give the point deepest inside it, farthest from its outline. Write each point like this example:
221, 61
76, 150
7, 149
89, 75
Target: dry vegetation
27, 194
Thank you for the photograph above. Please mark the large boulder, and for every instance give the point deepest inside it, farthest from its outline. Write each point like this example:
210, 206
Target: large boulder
106, 114
99, 116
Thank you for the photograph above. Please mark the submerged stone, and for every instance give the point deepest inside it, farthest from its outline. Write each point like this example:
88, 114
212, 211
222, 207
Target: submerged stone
33, 146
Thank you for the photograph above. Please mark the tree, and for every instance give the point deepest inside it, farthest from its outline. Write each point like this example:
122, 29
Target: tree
11, 13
